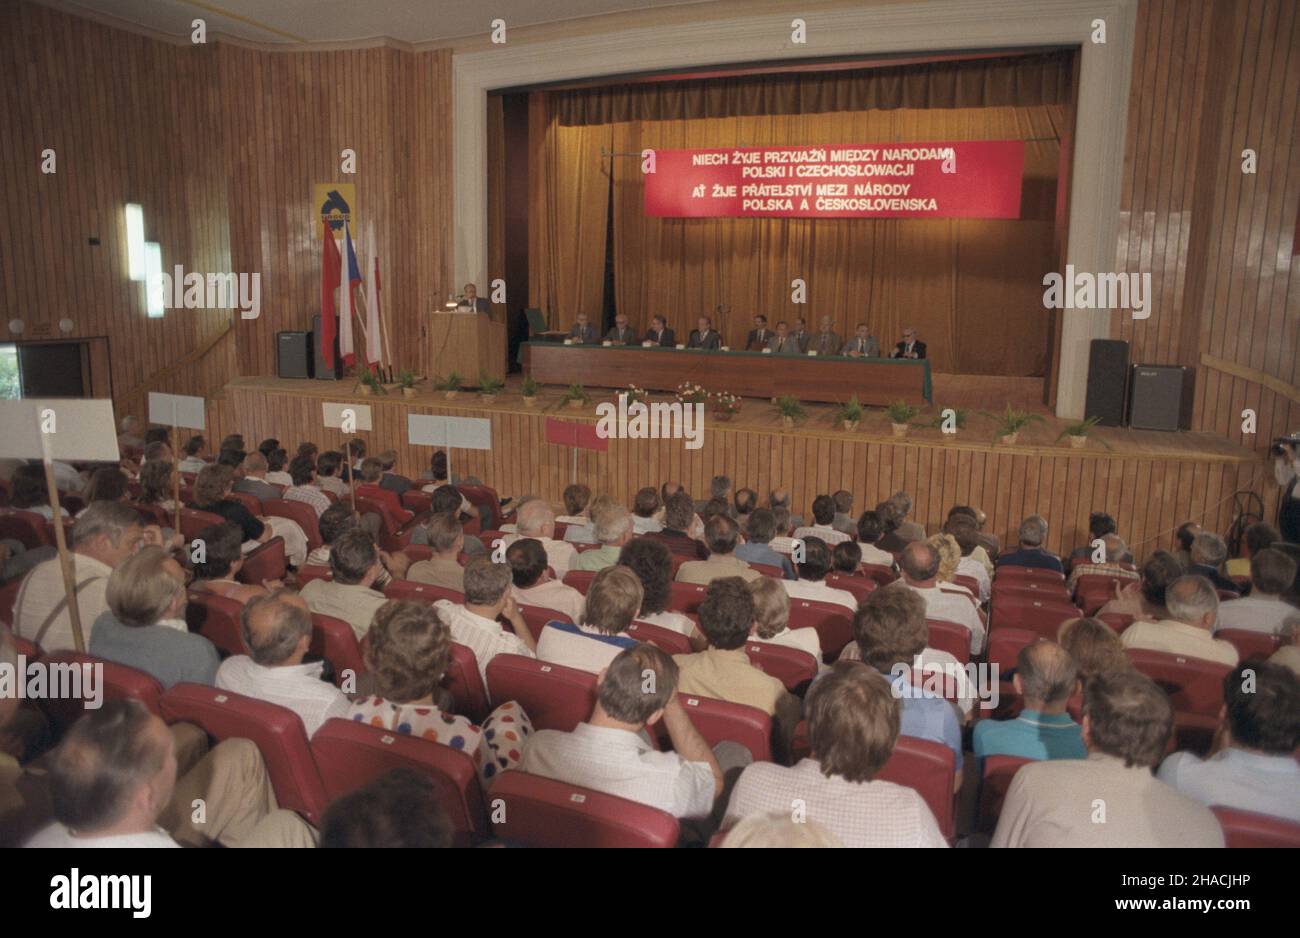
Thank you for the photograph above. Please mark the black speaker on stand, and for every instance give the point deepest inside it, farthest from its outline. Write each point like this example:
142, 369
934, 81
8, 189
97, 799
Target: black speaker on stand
321, 370
1107, 381
1160, 397
293, 354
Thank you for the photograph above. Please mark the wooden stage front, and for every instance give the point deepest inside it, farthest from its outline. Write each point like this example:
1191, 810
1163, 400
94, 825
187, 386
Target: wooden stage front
1150, 481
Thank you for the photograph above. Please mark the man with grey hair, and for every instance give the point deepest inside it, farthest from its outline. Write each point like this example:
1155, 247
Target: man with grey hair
1033, 533
1271, 574
907, 530
1112, 563
919, 565
780, 498
536, 519
721, 535
254, 481
105, 534
719, 487
474, 624
1208, 555
844, 521
1046, 677
613, 524
277, 633
1193, 608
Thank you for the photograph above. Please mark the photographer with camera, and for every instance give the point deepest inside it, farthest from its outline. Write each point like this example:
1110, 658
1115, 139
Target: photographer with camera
1285, 471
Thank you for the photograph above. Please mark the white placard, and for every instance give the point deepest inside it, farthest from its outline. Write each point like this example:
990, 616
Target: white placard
334, 415
469, 433
424, 430
74, 429
177, 410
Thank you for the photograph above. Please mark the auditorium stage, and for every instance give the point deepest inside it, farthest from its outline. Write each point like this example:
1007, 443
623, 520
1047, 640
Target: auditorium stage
1151, 481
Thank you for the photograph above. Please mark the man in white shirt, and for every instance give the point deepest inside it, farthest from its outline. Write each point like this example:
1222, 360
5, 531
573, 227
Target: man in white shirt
823, 509
919, 565
474, 623
812, 578
1193, 608
329, 469
609, 753
645, 512
1255, 769
104, 535
304, 489
1271, 574
536, 519
277, 631
853, 726
113, 783
355, 564
193, 460
1110, 799
591, 642
533, 586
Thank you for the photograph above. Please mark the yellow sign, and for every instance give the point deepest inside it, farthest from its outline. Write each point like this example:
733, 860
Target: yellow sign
335, 202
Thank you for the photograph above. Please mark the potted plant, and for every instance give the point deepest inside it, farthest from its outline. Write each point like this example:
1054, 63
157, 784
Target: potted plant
450, 386
901, 414
406, 381
1078, 433
370, 384
529, 390
690, 393
788, 406
725, 405
849, 414
576, 396
1010, 422
635, 395
489, 388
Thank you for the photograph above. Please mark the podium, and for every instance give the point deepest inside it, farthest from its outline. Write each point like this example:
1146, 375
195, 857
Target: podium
467, 343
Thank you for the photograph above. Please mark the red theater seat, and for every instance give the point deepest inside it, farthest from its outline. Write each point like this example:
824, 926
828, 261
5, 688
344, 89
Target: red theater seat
580, 580
1249, 644
950, 637
350, 755
267, 562
194, 520
929, 768
310, 572
553, 696
1118, 621
768, 569
859, 586
465, 684
8, 597
119, 683
416, 501
969, 582
489, 538
251, 502
334, 640
1194, 685
277, 732
26, 527
791, 666
881, 574
719, 720
1248, 829
394, 532
536, 617
1043, 616
301, 512
686, 597
541, 812
155, 514
421, 592
833, 624
486, 501
998, 773
216, 618
675, 643
1006, 571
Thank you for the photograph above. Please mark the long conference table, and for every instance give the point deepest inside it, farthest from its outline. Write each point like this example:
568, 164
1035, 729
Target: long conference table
824, 378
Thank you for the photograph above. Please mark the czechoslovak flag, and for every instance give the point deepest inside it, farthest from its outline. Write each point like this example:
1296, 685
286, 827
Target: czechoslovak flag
349, 277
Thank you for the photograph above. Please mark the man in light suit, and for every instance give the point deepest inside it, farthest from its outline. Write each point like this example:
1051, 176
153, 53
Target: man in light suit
704, 337
784, 342
471, 300
862, 345
909, 347
583, 331
826, 342
759, 336
659, 334
801, 334
622, 333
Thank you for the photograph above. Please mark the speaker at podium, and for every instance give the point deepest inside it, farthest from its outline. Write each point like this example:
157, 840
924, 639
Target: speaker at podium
467, 343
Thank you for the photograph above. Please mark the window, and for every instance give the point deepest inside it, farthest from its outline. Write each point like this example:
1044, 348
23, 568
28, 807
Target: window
10, 386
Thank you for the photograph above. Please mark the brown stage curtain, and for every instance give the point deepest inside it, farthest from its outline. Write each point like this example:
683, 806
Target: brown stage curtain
971, 287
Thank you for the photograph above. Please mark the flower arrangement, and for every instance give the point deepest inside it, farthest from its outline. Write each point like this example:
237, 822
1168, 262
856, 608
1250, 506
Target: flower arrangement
725, 404
635, 395
690, 393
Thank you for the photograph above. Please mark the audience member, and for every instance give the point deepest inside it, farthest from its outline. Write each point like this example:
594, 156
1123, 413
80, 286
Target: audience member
823, 510
652, 563
1146, 598
1186, 536
537, 520
870, 530
474, 622
393, 481
329, 465
1033, 532
1046, 678
907, 530
612, 525
1094, 647
1271, 573
1111, 565
28, 492
920, 569
371, 473
305, 489
533, 585
679, 512
1288, 654
721, 535
1193, 611
645, 512
277, 460
1208, 554
778, 829
811, 583
1259, 536
398, 809
843, 520
354, 563
157, 485
846, 558
577, 515
591, 642
254, 481
760, 528
219, 561
446, 539
890, 540
772, 619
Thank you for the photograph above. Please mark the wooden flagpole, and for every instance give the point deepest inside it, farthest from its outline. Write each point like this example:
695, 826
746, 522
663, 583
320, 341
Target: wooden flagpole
60, 543
387, 352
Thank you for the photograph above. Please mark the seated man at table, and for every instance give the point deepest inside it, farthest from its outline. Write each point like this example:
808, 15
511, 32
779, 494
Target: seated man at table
622, 333
758, 337
862, 345
801, 334
783, 343
659, 334
582, 332
910, 347
704, 337
827, 340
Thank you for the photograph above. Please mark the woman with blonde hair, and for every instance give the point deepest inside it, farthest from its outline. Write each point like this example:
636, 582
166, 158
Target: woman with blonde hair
949, 551
1094, 646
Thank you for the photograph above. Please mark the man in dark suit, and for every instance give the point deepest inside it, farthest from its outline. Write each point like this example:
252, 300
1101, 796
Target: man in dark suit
1032, 553
801, 334
909, 347
471, 300
784, 342
583, 331
1209, 552
659, 334
391, 480
826, 342
862, 345
759, 336
622, 333
254, 481
704, 337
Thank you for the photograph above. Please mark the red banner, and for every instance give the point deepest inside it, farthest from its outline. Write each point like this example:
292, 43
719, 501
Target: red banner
581, 435
970, 179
